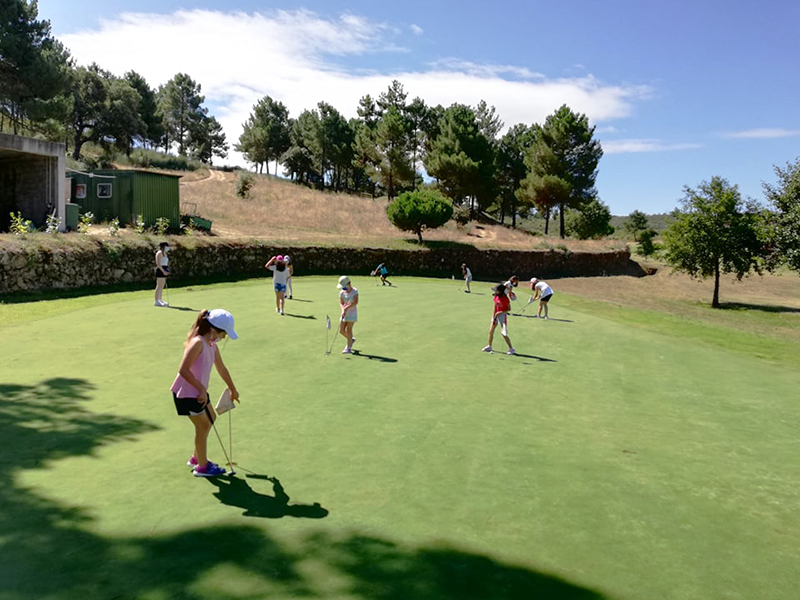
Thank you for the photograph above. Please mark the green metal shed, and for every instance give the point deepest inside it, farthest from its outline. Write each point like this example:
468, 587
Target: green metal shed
109, 193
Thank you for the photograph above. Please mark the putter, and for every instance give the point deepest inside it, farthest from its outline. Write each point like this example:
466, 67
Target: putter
330, 349
530, 301
225, 452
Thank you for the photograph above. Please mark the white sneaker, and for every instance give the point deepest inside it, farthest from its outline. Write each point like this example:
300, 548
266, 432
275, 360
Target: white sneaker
161, 303
353, 342
511, 351
347, 350
487, 349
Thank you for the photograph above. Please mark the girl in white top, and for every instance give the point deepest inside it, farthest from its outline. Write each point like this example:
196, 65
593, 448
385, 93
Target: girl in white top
161, 271
348, 301
289, 266
280, 273
542, 291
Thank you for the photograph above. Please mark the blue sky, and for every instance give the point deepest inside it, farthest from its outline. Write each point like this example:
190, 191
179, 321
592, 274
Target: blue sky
678, 91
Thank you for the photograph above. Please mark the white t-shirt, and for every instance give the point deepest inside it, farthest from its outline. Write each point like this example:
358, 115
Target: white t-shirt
543, 289
279, 276
510, 290
468, 276
346, 297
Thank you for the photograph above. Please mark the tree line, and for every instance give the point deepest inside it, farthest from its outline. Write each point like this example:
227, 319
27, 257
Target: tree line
385, 150
43, 90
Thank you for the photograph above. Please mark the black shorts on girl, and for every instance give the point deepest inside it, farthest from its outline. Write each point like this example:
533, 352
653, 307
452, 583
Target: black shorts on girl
546, 298
161, 272
188, 406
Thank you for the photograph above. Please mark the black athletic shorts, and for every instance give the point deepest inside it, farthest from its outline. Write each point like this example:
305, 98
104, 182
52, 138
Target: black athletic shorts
546, 298
162, 272
186, 406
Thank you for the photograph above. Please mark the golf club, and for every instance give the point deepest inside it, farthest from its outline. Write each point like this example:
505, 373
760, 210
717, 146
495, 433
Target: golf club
530, 301
214, 427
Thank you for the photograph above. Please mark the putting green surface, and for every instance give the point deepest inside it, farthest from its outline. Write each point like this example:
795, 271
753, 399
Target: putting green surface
603, 461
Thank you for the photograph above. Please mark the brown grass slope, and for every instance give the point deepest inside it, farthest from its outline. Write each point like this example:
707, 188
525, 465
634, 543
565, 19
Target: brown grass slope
282, 212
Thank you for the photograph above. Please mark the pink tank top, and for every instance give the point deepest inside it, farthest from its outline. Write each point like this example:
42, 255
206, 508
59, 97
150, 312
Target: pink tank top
201, 369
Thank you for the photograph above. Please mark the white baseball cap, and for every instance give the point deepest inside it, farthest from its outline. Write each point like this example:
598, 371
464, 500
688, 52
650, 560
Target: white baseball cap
285, 258
343, 281
222, 319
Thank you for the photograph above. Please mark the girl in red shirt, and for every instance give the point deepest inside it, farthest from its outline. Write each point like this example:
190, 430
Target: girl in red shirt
502, 304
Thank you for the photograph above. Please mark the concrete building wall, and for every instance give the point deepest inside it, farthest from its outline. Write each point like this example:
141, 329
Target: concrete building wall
32, 179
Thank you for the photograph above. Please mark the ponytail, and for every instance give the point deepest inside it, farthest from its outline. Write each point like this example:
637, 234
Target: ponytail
200, 327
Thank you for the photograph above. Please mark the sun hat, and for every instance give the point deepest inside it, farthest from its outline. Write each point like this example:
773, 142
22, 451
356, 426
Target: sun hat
343, 281
222, 319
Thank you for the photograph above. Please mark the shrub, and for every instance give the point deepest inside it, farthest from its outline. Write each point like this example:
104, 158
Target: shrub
418, 210
53, 223
162, 224
84, 221
244, 184
138, 226
461, 214
646, 246
20, 226
113, 226
591, 221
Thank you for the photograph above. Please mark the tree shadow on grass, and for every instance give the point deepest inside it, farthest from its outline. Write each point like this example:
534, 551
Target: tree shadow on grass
759, 307
50, 549
237, 492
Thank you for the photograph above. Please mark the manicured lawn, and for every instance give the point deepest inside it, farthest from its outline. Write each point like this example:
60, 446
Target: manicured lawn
612, 458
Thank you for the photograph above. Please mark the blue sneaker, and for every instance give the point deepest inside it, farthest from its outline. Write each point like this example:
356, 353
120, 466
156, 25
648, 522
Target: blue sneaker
210, 470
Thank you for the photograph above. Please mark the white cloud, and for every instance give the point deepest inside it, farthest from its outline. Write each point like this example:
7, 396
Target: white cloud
763, 133
302, 58
416, 29
644, 145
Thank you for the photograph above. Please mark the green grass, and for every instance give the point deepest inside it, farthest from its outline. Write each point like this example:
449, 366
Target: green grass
621, 455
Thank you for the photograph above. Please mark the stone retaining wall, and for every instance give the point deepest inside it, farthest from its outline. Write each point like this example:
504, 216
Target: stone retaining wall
100, 263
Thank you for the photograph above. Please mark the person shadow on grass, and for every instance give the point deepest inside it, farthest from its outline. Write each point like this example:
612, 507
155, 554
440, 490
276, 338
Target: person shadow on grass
237, 492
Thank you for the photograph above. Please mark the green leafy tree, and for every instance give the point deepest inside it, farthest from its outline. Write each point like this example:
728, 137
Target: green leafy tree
591, 221
565, 148
181, 106
511, 169
783, 222
461, 158
391, 165
713, 233
420, 209
122, 122
147, 109
208, 140
636, 222
299, 159
33, 64
88, 96
266, 133
545, 193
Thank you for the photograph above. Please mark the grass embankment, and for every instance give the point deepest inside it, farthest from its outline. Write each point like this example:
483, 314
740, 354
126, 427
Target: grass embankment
616, 457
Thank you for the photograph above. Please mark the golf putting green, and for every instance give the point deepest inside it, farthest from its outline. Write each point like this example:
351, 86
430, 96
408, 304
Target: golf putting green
603, 461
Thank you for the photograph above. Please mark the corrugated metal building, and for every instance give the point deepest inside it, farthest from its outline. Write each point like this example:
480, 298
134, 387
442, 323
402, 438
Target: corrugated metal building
109, 193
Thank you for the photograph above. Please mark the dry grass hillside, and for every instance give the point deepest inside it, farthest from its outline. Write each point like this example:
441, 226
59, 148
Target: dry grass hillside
285, 213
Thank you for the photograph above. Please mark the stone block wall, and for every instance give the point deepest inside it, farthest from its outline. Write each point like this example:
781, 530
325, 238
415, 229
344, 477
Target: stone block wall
97, 263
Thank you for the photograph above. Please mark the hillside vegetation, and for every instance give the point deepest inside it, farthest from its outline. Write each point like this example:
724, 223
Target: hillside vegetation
286, 213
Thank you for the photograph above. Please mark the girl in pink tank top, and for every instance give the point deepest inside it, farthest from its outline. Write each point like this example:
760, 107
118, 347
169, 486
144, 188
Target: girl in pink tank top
190, 388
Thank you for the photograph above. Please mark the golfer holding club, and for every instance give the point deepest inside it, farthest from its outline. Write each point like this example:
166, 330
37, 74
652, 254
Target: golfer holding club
467, 274
190, 388
280, 274
348, 301
161, 271
502, 304
544, 292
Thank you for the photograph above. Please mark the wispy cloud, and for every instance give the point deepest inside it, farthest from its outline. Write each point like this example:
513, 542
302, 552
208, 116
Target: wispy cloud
416, 29
300, 58
762, 134
644, 145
